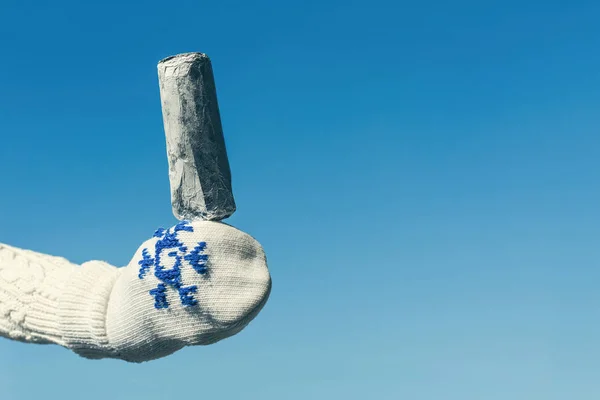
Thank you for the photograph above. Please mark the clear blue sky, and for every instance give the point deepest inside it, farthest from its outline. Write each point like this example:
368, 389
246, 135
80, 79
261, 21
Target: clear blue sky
423, 175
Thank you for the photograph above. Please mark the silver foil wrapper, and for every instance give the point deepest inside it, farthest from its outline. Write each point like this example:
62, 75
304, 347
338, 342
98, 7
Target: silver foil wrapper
199, 170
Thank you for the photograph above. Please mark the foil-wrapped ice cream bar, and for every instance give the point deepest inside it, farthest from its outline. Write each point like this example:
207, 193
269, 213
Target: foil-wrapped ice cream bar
198, 166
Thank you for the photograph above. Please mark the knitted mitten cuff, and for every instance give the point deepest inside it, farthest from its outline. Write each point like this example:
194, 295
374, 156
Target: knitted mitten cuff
82, 309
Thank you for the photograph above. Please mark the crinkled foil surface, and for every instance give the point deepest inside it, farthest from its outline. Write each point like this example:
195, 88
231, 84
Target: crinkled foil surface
199, 171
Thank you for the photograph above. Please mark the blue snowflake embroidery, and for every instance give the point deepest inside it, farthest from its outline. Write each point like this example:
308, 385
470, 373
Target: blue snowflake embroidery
197, 259
171, 277
145, 263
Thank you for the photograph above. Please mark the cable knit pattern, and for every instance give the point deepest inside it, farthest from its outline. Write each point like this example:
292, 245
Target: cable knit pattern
193, 284
30, 287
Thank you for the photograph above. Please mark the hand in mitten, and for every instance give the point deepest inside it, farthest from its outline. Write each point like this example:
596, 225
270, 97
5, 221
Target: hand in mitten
193, 284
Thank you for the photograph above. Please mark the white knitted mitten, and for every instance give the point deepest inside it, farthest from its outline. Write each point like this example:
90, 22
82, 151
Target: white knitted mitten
193, 284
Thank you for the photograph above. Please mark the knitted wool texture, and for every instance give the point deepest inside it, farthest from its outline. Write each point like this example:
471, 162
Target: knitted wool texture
193, 284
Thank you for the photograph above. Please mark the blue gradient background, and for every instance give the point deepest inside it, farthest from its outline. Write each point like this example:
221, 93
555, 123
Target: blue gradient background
423, 175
